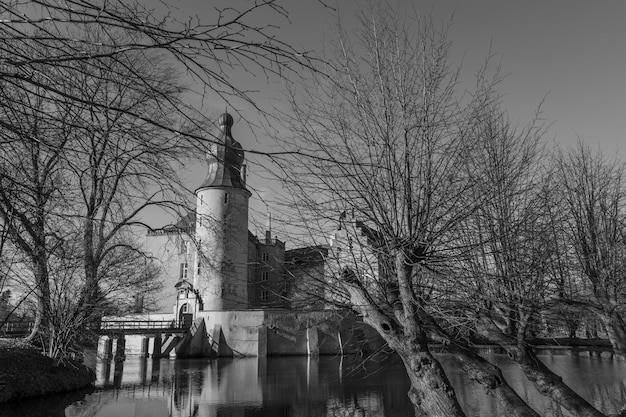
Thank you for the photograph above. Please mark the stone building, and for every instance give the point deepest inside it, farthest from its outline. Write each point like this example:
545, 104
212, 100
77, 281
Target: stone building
239, 294
211, 248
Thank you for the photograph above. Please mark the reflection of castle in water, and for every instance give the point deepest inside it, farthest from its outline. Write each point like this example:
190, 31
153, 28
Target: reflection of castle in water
292, 386
317, 387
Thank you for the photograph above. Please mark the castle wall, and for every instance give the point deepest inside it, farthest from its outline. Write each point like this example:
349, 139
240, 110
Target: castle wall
222, 241
276, 332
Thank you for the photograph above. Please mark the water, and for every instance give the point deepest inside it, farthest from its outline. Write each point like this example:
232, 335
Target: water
301, 387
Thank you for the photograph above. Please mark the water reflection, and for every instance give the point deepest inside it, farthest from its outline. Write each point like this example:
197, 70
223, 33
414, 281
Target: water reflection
291, 386
301, 386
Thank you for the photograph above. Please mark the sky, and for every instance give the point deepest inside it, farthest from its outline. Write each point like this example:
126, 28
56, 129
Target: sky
570, 53
569, 56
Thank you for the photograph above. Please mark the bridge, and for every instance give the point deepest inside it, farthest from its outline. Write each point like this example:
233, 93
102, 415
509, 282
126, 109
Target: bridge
16, 329
142, 327
165, 335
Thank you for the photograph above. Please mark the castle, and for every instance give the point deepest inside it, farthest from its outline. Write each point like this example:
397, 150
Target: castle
249, 293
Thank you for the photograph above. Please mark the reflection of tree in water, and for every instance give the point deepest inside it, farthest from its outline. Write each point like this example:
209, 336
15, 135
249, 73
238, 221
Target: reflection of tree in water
361, 405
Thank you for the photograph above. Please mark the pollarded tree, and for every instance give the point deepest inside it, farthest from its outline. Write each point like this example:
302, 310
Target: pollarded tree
510, 283
592, 187
386, 140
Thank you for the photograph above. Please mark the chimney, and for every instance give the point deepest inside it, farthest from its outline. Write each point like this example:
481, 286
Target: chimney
268, 229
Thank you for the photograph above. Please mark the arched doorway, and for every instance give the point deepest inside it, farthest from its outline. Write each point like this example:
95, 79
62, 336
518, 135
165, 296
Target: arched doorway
187, 304
185, 316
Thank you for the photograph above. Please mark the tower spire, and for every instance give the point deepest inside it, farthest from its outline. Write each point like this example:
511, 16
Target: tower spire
225, 158
222, 225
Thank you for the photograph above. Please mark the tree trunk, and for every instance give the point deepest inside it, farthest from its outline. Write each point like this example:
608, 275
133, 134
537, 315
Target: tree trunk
490, 377
545, 381
551, 385
42, 291
485, 373
431, 392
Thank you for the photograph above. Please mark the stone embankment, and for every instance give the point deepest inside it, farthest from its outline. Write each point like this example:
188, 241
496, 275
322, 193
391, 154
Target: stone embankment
25, 372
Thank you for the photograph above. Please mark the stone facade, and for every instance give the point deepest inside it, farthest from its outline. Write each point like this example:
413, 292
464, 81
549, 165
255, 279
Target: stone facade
243, 295
211, 247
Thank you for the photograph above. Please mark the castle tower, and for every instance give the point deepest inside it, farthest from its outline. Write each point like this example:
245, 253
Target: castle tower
222, 226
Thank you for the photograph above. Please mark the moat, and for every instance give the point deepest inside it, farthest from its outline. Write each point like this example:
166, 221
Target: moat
302, 386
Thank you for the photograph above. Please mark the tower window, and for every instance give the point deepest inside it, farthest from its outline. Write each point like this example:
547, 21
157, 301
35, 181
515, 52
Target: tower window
265, 257
265, 276
264, 295
183, 270
225, 198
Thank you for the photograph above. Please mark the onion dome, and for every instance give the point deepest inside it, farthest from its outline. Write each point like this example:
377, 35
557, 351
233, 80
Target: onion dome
225, 158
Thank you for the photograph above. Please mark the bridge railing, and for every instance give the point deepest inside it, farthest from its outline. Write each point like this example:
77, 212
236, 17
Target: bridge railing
16, 328
134, 325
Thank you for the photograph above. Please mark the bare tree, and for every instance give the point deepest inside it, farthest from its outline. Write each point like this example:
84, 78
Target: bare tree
90, 172
93, 122
510, 283
119, 165
39, 36
386, 141
28, 186
592, 187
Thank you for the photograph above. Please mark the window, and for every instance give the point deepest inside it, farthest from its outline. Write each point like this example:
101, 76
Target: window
183, 270
184, 247
225, 198
265, 276
264, 295
199, 268
265, 257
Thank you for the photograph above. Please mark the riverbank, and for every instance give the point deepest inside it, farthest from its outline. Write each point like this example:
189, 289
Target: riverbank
25, 372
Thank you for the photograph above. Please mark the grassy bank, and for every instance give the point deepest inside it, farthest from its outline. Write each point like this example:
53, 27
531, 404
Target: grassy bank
25, 372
